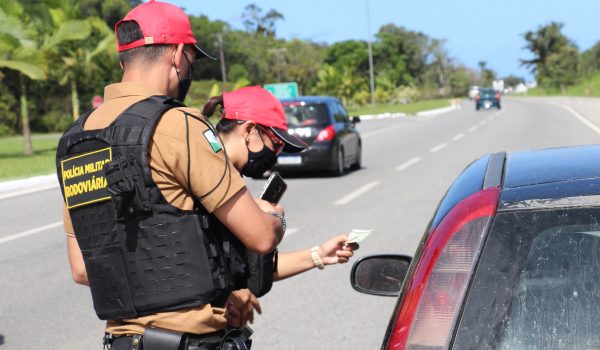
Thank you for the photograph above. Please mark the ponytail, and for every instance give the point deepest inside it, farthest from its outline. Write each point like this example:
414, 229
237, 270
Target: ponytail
225, 126
211, 105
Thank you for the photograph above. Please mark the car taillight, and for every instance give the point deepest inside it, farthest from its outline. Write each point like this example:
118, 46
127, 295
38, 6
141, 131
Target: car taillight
477, 97
326, 134
497, 96
434, 295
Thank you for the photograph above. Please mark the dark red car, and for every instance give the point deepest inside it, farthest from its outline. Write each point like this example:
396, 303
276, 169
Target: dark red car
510, 260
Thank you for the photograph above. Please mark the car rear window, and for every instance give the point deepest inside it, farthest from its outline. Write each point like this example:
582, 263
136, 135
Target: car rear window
306, 114
537, 285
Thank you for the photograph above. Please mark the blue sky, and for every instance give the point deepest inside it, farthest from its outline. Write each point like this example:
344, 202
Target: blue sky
475, 30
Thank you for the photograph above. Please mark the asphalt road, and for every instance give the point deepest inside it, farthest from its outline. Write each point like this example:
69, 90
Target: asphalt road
408, 163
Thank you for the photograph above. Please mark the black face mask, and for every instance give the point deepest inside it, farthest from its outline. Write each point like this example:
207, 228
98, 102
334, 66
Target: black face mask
259, 162
185, 83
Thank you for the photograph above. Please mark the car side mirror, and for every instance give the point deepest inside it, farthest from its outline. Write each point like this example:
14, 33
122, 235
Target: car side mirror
380, 274
355, 120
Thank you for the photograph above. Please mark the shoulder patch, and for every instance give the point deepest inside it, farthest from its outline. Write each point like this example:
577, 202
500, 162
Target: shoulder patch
212, 140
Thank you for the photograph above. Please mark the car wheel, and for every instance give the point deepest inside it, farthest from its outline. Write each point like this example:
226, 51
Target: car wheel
338, 170
358, 164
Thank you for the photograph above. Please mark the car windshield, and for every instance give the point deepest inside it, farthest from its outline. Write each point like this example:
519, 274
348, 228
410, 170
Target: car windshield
538, 282
306, 114
486, 92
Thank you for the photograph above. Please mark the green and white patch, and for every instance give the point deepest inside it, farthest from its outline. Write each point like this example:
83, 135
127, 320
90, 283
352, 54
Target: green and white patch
212, 140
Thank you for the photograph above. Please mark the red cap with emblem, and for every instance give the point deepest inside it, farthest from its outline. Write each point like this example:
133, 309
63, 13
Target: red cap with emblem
256, 104
161, 23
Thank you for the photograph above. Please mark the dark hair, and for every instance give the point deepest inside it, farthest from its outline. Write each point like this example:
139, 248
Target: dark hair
128, 32
225, 126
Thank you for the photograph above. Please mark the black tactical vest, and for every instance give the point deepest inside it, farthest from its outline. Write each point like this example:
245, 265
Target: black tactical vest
142, 255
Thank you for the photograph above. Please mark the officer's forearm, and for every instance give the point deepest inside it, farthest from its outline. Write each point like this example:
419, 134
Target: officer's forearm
76, 263
292, 263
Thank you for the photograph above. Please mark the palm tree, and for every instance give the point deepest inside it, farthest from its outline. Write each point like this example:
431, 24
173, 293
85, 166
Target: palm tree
75, 45
18, 52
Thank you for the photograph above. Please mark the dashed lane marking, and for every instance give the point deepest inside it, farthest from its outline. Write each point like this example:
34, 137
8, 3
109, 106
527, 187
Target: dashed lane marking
357, 193
408, 163
438, 147
473, 128
26, 191
30, 232
458, 137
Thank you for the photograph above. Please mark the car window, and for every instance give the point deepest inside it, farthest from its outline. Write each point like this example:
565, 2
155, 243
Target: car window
306, 114
537, 284
341, 116
487, 92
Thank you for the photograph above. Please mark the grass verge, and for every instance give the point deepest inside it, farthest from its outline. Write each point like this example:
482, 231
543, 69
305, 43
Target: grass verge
588, 87
409, 108
14, 165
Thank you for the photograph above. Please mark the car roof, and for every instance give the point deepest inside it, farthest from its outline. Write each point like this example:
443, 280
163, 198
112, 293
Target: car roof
552, 173
311, 99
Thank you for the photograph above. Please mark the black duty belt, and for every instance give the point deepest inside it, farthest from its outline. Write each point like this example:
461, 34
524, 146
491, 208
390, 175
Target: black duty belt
160, 339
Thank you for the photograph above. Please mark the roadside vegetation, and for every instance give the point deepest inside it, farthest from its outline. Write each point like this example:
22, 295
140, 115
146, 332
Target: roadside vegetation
409, 108
587, 87
57, 55
14, 165
560, 68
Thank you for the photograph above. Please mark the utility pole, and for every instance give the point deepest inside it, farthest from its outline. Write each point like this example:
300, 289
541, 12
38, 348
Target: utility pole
371, 74
222, 58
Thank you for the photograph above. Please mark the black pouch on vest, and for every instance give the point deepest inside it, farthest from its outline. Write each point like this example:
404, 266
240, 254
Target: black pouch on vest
260, 277
126, 188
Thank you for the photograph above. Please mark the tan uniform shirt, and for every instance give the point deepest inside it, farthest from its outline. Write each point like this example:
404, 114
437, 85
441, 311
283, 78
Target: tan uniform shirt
168, 157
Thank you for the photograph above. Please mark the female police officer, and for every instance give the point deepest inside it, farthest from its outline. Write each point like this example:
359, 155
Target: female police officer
253, 129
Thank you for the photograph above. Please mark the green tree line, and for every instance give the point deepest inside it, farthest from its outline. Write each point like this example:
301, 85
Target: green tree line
557, 62
55, 55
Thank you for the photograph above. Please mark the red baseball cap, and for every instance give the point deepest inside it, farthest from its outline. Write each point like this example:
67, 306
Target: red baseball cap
256, 104
161, 23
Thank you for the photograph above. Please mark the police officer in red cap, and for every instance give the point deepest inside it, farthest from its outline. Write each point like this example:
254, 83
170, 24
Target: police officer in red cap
146, 184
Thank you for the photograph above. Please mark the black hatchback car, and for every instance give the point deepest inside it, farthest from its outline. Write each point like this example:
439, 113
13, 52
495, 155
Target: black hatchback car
510, 260
323, 123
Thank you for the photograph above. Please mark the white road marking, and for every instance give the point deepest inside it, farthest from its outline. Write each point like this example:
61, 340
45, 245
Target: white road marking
483, 122
438, 147
473, 128
582, 119
27, 191
290, 231
30, 232
408, 163
375, 132
358, 192
458, 137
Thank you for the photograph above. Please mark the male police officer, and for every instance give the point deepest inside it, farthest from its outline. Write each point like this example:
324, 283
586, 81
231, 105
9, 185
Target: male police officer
143, 178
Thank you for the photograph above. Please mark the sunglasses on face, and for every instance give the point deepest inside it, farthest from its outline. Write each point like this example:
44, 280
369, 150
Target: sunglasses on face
277, 143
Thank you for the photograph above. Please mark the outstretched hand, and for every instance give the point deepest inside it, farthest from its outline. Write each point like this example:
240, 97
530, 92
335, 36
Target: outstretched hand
335, 251
240, 306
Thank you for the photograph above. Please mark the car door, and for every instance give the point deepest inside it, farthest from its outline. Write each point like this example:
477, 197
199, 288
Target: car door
348, 134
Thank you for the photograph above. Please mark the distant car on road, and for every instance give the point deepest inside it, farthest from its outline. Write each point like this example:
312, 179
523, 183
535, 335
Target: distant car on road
487, 98
473, 91
323, 123
510, 260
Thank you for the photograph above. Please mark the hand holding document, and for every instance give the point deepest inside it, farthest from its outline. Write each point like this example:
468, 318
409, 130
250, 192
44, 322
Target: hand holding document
357, 236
